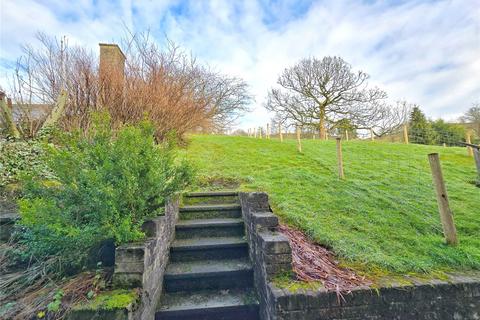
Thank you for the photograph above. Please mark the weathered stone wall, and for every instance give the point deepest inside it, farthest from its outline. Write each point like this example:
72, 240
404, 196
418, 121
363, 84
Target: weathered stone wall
270, 251
7, 222
457, 298
143, 265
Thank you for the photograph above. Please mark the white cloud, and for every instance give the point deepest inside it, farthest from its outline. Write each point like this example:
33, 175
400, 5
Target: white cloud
427, 52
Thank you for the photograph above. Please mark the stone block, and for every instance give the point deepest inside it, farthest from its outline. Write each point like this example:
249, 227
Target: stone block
127, 280
274, 243
285, 258
130, 253
264, 220
272, 270
152, 227
129, 267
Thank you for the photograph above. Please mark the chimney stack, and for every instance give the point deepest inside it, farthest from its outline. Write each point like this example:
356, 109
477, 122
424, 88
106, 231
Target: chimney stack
112, 62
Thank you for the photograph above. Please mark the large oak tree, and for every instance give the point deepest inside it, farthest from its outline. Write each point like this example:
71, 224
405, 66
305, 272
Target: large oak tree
326, 92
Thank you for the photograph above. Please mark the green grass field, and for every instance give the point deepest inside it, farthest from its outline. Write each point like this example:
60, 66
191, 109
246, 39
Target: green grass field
382, 218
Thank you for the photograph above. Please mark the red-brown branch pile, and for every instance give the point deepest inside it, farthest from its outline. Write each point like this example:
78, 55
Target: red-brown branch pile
312, 262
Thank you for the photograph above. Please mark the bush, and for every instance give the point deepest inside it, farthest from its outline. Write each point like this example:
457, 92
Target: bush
450, 134
19, 158
106, 184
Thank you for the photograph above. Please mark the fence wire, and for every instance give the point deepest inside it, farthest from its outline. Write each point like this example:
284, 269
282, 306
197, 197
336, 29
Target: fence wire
388, 185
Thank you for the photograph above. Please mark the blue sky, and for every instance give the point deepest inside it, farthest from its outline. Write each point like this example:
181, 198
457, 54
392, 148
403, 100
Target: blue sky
426, 52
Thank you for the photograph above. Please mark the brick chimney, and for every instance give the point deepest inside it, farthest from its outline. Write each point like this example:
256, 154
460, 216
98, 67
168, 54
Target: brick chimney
112, 61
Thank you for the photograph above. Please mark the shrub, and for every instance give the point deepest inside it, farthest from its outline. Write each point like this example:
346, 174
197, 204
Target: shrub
106, 184
19, 158
448, 133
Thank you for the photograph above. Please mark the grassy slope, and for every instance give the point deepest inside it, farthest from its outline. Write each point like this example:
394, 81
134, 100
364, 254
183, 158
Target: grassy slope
384, 215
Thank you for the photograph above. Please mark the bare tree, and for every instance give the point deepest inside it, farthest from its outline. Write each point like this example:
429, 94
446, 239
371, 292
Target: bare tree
43, 72
164, 84
388, 118
473, 116
229, 99
323, 93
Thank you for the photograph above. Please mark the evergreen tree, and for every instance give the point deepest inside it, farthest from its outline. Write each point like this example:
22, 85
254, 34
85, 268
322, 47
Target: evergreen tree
420, 128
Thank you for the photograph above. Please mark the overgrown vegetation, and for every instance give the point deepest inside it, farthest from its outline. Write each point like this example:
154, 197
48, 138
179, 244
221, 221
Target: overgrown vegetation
18, 158
384, 216
164, 83
105, 185
102, 185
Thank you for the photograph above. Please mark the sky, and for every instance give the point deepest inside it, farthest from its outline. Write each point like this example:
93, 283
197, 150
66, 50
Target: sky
425, 52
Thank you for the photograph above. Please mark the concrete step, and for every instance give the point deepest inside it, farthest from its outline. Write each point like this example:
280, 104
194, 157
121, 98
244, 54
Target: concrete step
215, 248
215, 197
208, 274
210, 211
235, 304
227, 227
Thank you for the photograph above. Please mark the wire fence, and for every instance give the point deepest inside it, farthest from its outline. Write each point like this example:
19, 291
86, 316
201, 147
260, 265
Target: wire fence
394, 174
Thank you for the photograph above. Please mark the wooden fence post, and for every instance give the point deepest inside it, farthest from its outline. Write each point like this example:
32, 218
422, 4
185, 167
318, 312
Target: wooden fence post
340, 159
299, 142
476, 155
446, 215
468, 139
405, 134
267, 134
346, 135
255, 132
280, 132
260, 129
371, 135
313, 137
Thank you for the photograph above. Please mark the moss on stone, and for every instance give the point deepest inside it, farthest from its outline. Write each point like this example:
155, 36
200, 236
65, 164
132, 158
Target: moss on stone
286, 281
110, 300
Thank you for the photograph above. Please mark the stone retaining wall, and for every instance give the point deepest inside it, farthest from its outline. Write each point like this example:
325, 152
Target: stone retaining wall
7, 222
142, 265
457, 298
270, 251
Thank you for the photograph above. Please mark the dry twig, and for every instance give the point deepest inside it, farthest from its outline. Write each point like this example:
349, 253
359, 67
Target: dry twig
312, 262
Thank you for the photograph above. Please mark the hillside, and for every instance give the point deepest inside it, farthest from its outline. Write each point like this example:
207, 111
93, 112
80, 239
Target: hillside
383, 217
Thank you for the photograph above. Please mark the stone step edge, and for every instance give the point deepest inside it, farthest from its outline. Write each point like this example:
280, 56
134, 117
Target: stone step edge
206, 223
214, 244
211, 194
186, 296
245, 266
213, 207
200, 275
210, 309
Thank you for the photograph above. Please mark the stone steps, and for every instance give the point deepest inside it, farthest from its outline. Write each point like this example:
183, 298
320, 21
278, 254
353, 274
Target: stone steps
214, 211
197, 228
209, 275
218, 197
235, 304
215, 248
